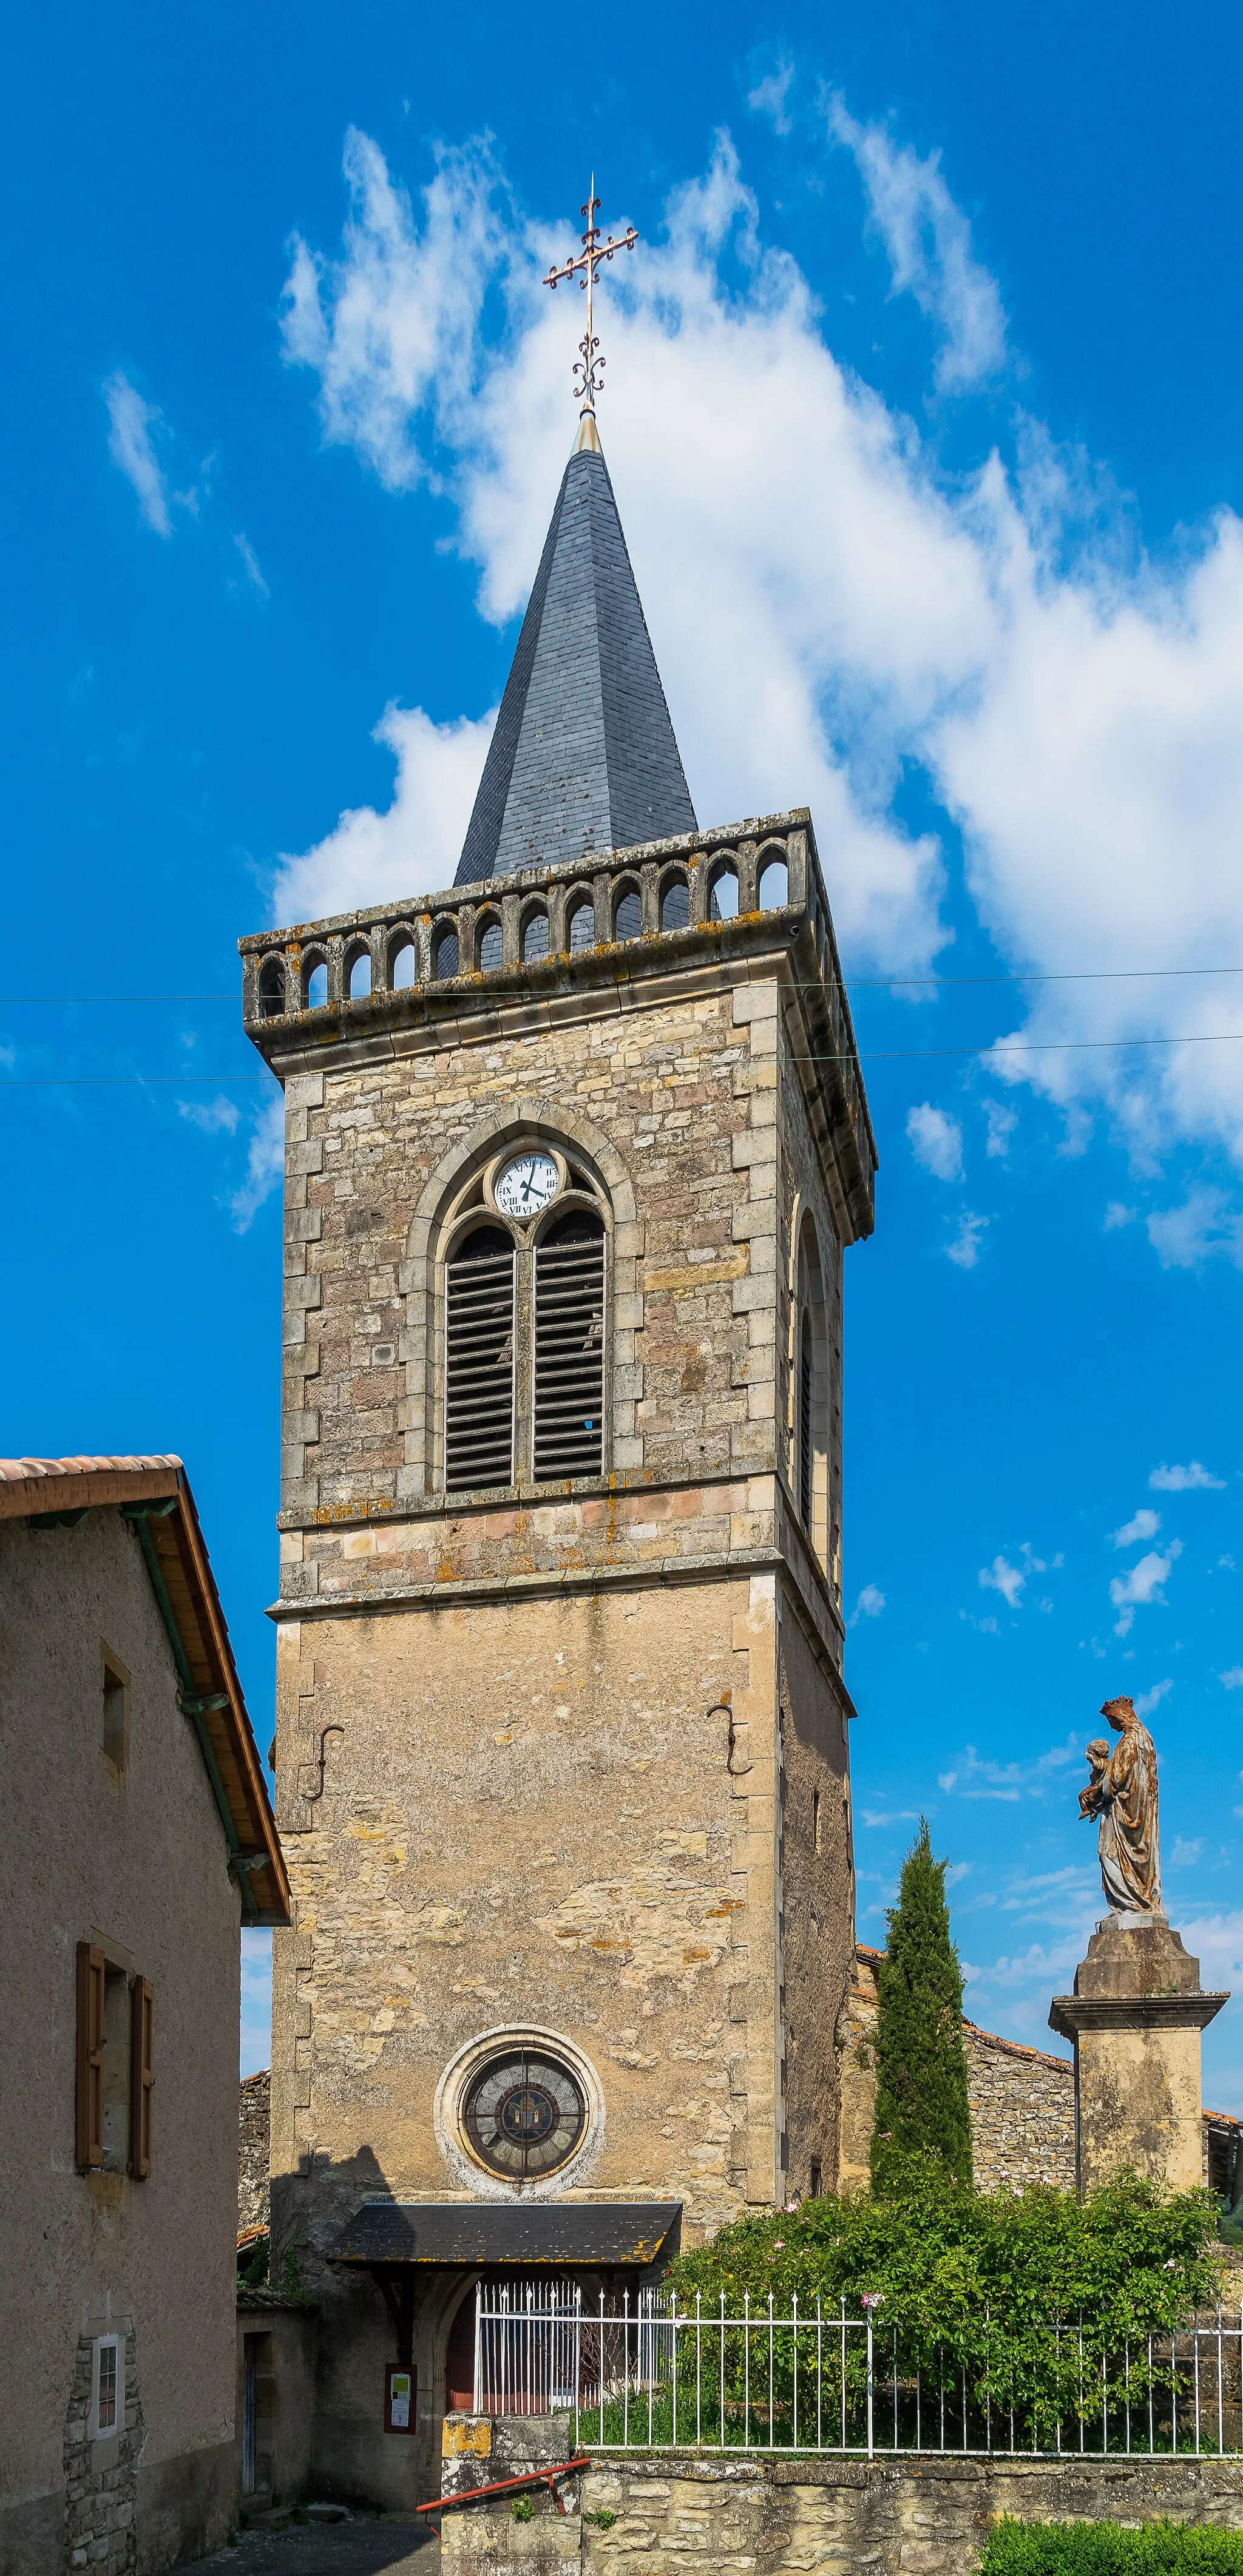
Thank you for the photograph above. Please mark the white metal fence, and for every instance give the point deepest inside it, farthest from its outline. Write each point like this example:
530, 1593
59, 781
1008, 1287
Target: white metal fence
648, 2375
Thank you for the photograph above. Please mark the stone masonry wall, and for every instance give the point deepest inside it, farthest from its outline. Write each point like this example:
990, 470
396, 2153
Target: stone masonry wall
923, 2517
101, 2478
254, 2128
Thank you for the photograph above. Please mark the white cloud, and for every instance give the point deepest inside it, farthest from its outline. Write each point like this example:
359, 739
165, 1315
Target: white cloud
869, 1605
1143, 1585
1142, 1525
1233, 1679
413, 847
1184, 1852
1006, 1579
928, 239
1001, 1126
1116, 1214
936, 1141
251, 563
1204, 1228
964, 1250
1148, 1700
265, 1163
392, 327
769, 96
216, 1117
1075, 707
900, 1816
1185, 1480
132, 424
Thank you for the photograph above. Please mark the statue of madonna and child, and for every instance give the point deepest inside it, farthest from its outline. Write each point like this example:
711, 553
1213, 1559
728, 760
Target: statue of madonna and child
1122, 1792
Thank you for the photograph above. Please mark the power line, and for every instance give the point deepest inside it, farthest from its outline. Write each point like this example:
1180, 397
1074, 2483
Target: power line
857, 984
1022, 1046
114, 1081
864, 1055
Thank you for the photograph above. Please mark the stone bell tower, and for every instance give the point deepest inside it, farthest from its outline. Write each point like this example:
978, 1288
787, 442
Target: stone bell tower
574, 1152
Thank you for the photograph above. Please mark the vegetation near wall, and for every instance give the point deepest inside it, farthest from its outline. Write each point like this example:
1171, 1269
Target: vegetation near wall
995, 2286
1107, 2549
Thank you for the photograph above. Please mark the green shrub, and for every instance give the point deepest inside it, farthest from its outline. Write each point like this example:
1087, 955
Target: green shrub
602, 2518
921, 2062
522, 2508
1106, 2549
990, 2287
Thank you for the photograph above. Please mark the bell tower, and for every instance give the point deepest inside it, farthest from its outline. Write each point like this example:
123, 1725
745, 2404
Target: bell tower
574, 1153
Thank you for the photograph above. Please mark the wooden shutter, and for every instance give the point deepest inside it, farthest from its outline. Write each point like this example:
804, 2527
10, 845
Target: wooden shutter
90, 2058
479, 1362
569, 1349
140, 2079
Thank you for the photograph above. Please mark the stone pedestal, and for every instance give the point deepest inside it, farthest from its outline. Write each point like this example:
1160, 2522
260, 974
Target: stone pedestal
1135, 2017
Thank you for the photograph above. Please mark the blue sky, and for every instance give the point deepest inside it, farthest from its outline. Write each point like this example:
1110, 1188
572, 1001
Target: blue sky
922, 406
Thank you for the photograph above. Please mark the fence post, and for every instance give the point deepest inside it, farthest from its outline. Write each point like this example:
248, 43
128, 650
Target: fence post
478, 2393
870, 2441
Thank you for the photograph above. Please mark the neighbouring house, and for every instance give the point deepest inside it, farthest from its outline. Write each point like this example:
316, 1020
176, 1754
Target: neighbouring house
138, 1840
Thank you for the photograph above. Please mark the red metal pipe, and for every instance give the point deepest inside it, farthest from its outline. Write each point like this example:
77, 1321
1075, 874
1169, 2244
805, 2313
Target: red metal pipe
505, 2486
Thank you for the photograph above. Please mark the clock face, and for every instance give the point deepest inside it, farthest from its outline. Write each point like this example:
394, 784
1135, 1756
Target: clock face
526, 1185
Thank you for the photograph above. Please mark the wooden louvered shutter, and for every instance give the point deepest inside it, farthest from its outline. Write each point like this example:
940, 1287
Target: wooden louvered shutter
90, 2058
479, 1361
569, 1349
141, 2078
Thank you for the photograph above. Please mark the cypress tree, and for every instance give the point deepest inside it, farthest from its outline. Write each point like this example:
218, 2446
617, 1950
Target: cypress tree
921, 2083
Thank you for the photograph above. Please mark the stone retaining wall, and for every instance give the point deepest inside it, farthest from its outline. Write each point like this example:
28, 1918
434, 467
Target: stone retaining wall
925, 2517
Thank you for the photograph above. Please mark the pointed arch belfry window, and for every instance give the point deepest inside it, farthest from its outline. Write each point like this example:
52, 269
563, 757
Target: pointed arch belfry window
479, 1361
806, 1390
569, 1348
810, 1426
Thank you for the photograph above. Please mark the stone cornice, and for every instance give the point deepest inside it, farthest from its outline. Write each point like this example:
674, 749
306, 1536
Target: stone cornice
1071, 2014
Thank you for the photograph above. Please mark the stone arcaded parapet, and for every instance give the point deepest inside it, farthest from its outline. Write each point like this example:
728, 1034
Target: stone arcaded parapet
1135, 2018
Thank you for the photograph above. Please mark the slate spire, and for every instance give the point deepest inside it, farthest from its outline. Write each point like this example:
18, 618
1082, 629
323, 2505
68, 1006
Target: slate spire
583, 758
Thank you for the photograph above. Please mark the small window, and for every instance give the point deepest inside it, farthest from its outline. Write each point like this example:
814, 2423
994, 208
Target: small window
114, 1714
317, 986
479, 1361
723, 900
675, 905
569, 1348
815, 2187
445, 956
628, 918
360, 976
403, 966
774, 886
271, 989
490, 946
107, 2388
534, 937
582, 927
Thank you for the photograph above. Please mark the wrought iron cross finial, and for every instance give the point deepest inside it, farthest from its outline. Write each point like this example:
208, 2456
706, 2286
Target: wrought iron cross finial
588, 363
